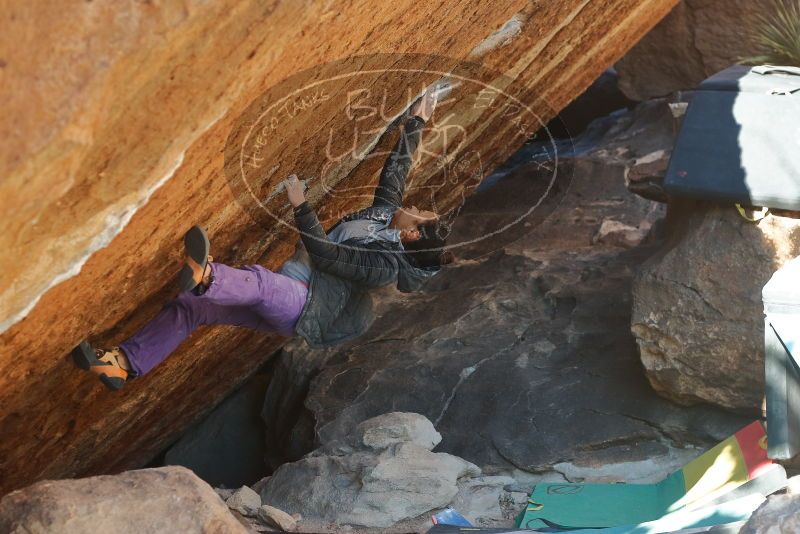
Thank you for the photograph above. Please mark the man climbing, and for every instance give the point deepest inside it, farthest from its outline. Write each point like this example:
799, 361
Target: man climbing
322, 293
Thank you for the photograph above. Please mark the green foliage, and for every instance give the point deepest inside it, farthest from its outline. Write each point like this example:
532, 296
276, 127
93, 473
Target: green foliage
776, 34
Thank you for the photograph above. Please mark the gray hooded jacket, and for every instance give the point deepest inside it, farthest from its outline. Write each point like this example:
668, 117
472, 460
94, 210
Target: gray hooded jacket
339, 306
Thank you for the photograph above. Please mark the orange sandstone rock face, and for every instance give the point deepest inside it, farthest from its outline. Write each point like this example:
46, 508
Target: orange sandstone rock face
117, 118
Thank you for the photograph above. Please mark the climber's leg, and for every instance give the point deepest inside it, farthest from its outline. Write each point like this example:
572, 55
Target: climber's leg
175, 322
283, 300
253, 297
278, 299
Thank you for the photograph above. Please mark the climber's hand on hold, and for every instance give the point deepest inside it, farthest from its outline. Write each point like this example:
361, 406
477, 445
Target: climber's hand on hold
295, 190
423, 108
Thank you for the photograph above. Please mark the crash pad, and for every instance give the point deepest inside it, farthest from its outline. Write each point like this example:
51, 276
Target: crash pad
728, 528
688, 520
727, 466
737, 141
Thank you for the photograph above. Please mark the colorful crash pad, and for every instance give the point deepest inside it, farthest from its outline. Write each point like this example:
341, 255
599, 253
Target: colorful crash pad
686, 520
730, 464
728, 528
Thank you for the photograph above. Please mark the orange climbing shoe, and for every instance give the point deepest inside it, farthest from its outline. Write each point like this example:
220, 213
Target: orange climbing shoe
105, 364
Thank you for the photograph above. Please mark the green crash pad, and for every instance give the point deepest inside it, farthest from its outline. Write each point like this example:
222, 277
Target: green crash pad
727, 466
682, 521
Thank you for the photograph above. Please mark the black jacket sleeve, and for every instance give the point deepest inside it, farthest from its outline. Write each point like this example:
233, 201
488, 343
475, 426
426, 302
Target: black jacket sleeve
370, 268
392, 184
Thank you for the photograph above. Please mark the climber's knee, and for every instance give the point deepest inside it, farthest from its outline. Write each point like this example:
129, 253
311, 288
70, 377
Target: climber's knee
189, 310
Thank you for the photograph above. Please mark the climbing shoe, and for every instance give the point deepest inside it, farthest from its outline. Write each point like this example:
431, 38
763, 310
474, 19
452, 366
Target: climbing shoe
197, 248
102, 363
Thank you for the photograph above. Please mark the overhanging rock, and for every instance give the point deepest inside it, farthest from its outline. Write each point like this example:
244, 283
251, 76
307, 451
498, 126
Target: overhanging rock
114, 143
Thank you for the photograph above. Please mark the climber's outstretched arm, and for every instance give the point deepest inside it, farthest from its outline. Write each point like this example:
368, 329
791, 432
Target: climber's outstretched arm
392, 184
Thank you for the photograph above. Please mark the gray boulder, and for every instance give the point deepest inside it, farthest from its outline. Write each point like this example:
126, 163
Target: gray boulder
488, 501
697, 310
271, 516
374, 485
780, 514
407, 481
385, 430
245, 501
167, 499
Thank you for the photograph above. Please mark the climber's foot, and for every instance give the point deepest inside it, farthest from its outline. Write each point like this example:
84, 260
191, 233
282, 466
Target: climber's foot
196, 269
111, 366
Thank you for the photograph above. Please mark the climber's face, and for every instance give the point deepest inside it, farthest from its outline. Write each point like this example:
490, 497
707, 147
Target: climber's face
409, 219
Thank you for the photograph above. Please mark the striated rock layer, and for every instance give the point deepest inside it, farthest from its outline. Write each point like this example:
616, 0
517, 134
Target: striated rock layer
114, 140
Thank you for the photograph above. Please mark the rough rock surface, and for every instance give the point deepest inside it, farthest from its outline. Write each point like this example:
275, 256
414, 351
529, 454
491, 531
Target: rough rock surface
271, 516
226, 448
385, 430
245, 501
780, 514
167, 499
522, 356
487, 502
697, 310
697, 39
348, 482
113, 144
224, 493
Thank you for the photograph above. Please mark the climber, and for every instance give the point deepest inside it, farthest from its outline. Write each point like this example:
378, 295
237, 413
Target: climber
321, 293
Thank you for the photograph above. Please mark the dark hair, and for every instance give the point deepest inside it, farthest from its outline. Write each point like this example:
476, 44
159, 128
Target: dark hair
428, 251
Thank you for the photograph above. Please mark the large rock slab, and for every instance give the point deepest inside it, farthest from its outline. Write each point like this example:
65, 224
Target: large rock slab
697, 39
522, 356
367, 484
167, 499
697, 311
114, 143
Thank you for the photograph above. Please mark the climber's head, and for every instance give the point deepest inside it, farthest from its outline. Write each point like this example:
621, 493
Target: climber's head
422, 235
409, 220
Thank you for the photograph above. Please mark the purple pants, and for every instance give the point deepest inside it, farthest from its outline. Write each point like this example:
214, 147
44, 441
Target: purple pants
252, 296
